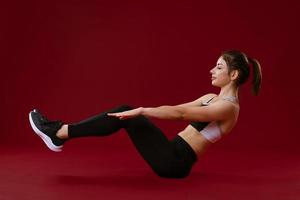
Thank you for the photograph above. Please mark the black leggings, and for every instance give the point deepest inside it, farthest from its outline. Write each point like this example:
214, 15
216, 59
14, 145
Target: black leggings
170, 159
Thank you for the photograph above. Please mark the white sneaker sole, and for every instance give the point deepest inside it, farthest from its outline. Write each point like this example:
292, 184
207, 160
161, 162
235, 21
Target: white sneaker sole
44, 137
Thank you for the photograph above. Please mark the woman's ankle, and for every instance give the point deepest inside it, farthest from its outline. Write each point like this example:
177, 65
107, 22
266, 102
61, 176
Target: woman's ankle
62, 133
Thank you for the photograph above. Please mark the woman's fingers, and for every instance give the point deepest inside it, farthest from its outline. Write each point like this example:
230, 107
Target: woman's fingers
124, 115
119, 115
113, 114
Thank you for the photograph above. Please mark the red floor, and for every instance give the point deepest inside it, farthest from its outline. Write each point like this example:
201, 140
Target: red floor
112, 173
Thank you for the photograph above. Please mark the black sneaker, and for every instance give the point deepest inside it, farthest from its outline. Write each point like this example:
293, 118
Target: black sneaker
46, 130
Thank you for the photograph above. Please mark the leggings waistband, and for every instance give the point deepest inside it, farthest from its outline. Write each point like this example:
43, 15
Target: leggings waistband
185, 148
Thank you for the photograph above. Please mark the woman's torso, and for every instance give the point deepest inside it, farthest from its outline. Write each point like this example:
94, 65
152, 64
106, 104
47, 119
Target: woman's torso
197, 141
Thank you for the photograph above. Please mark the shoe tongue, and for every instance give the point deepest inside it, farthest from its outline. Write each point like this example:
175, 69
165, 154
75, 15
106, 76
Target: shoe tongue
59, 124
56, 124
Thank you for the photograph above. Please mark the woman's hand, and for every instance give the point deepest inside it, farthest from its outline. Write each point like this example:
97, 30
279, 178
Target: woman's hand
127, 114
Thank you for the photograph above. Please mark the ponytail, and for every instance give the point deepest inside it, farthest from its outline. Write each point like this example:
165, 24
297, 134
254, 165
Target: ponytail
257, 76
237, 60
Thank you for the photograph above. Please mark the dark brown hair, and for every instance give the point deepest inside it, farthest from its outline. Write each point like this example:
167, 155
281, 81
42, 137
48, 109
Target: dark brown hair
237, 60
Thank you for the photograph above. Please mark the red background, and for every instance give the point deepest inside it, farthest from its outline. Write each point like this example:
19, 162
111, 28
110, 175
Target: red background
74, 59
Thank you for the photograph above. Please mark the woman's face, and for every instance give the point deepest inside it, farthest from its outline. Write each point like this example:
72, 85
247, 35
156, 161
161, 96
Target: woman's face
219, 74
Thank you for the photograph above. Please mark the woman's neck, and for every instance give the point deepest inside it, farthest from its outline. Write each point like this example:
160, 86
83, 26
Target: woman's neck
229, 90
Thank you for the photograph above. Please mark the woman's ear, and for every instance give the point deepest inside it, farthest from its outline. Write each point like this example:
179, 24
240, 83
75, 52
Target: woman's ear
234, 74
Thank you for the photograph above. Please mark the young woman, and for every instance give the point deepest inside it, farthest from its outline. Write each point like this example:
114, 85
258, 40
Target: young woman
211, 117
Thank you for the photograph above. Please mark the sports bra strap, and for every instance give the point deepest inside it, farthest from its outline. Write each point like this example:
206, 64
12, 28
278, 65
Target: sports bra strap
206, 103
210, 99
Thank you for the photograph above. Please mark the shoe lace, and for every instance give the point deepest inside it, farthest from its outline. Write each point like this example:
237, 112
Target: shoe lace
51, 122
45, 121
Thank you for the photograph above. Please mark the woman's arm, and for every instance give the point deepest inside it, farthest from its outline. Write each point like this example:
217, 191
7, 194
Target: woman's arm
198, 101
214, 112
189, 112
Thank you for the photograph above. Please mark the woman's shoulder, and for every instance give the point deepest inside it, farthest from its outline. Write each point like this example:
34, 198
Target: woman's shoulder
208, 97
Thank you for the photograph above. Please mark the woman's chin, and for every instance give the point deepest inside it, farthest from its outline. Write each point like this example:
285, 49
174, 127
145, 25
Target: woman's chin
214, 84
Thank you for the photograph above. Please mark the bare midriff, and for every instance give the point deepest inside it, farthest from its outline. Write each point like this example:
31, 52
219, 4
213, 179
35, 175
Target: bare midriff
196, 140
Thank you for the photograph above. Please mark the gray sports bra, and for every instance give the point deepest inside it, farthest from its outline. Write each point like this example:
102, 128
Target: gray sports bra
201, 125
211, 130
